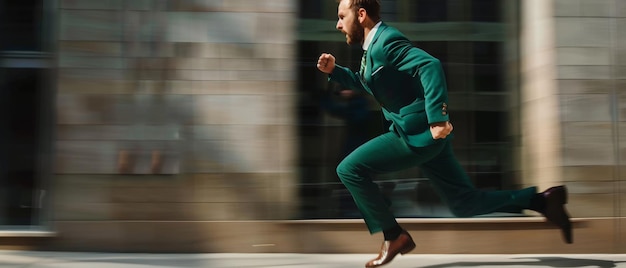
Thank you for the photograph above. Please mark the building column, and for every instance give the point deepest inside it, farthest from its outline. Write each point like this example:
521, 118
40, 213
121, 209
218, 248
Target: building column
540, 126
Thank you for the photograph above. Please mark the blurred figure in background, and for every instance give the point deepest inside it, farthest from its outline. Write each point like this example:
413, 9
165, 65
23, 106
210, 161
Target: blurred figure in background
410, 86
352, 107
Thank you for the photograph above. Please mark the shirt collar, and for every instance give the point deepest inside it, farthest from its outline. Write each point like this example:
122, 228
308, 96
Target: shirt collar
370, 36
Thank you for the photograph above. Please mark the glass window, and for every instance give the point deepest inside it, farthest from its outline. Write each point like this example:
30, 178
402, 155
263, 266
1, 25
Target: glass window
310, 9
489, 126
389, 10
21, 24
487, 52
489, 78
25, 111
474, 72
489, 70
20, 143
431, 10
486, 10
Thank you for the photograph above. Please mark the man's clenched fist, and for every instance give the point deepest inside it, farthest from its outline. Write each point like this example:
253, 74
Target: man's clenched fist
326, 63
441, 130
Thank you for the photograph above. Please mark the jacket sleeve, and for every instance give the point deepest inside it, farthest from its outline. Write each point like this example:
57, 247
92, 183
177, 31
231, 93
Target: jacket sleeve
404, 57
346, 78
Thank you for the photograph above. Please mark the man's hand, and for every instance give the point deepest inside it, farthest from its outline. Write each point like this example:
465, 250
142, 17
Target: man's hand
440, 130
326, 63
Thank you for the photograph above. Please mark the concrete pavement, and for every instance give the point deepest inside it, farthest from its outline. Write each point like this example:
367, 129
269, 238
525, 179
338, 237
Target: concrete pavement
33, 259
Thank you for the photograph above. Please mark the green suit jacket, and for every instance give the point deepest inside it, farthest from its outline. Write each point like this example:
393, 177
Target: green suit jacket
407, 82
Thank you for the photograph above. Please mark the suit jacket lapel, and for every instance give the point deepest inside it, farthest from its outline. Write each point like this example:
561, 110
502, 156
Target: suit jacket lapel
370, 53
369, 62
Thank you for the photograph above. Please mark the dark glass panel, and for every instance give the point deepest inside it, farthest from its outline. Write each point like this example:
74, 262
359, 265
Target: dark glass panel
21, 25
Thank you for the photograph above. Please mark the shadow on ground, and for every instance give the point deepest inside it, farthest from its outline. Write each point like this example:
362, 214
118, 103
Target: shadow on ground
538, 261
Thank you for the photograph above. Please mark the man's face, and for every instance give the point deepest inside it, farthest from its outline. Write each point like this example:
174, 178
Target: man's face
348, 23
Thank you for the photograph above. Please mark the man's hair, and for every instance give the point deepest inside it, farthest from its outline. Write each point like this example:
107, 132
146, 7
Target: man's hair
371, 6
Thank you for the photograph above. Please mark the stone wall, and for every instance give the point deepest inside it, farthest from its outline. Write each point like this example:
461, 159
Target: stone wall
591, 81
573, 106
175, 110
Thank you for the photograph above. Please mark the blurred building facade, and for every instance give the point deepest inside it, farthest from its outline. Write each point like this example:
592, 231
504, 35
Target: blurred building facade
196, 126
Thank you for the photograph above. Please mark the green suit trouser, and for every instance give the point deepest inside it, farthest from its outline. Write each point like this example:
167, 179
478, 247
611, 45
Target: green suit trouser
388, 152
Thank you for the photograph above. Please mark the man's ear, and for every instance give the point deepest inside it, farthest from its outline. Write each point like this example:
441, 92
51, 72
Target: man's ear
362, 15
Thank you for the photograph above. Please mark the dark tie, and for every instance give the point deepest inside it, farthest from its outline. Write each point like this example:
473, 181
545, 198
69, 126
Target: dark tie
362, 70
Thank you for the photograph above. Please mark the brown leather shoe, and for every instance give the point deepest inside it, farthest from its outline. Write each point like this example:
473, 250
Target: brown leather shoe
403, 244
556, 198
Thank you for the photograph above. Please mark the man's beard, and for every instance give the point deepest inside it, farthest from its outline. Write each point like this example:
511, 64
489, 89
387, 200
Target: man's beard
357, 34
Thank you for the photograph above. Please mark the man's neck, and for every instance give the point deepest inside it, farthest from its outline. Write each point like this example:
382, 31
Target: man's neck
369, 25
367, 29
